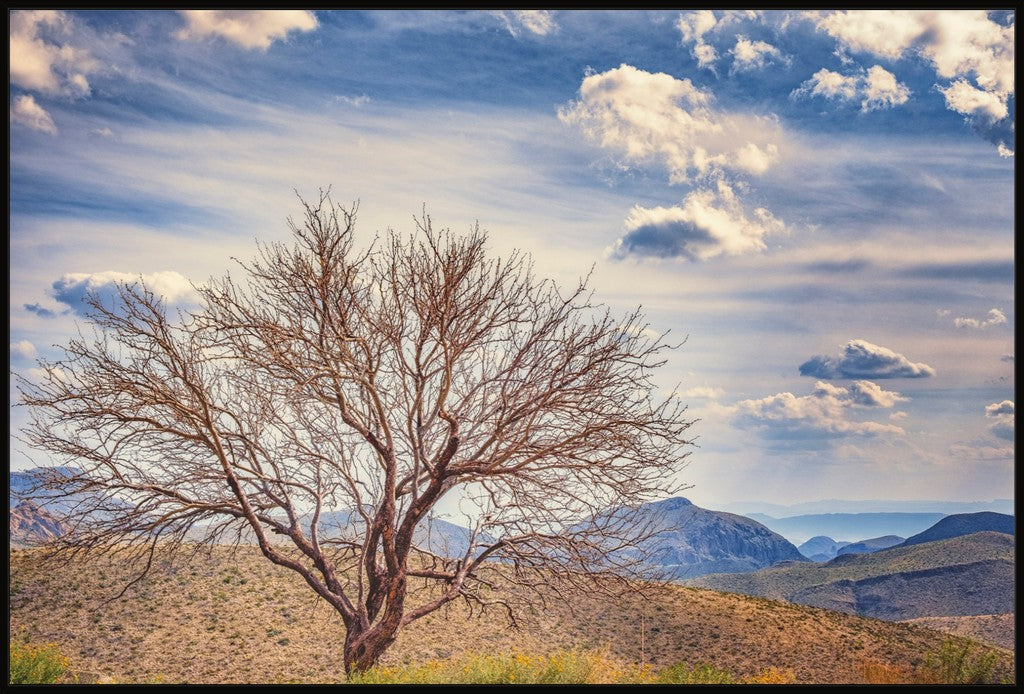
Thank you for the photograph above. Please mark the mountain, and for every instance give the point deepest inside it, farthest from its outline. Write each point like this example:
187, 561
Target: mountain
964, 524
868, 506
821, 548
873, 545
31, 525
800, 528
967, 575
693, 541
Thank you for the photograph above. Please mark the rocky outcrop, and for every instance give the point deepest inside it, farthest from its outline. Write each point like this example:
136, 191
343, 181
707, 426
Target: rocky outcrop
32, 525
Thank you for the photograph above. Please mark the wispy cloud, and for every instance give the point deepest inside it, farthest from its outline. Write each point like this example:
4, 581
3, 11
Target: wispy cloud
246, 28
538, 22
861, 359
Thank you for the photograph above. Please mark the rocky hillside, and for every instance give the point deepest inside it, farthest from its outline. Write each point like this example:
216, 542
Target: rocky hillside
964, 524
694, 541
31, 525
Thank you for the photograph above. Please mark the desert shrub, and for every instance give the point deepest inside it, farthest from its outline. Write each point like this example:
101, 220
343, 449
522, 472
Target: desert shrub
564, 667
701, 673
772, 675
36, 664
875, 672
959, 663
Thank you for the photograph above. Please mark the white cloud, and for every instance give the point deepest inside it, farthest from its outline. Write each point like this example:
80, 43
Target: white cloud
354, 101
1002, 414
43, 55
825, 413
881, 90
963, 97
861, 359
23, 349
73, 288
995, 317
961, 45
695, 25
752, 55
25, 111
247, 28
539, 22
657, 118
877, 88
709, 223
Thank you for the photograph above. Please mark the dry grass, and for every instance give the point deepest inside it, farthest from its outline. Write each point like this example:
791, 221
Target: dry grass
239, 619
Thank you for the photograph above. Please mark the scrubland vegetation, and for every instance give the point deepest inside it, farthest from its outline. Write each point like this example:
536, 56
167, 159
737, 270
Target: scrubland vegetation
232, 618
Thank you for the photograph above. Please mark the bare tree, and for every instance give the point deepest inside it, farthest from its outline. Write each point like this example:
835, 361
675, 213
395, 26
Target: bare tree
376, 382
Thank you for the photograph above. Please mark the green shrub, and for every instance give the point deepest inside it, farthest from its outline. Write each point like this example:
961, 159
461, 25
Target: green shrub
36, 664
701, 673
960, 663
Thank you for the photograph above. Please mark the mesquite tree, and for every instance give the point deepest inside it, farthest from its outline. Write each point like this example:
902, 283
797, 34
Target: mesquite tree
322, 405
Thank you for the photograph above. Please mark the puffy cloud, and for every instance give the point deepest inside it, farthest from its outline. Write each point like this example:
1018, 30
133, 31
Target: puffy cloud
995, 317
539, 22
709, 223
828, 412
43, 55
877, 88
964, 46
861, 359
23, 349
73, 288
753, 55
1002, 414
25, 111
657, 118
247, 28
695, 25
963, 97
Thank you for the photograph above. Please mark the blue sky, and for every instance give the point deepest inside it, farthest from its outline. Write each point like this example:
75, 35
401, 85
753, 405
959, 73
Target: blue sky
820, 202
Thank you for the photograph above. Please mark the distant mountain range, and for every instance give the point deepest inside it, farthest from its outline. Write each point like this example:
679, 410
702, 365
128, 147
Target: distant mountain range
850, 526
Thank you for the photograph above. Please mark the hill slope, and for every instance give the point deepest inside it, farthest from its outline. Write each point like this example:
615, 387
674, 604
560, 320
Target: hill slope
236, 618
821, 548
872, 545
964, 524
825, 582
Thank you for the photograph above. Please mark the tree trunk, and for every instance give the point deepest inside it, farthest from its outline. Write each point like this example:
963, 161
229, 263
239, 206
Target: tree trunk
362, 654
